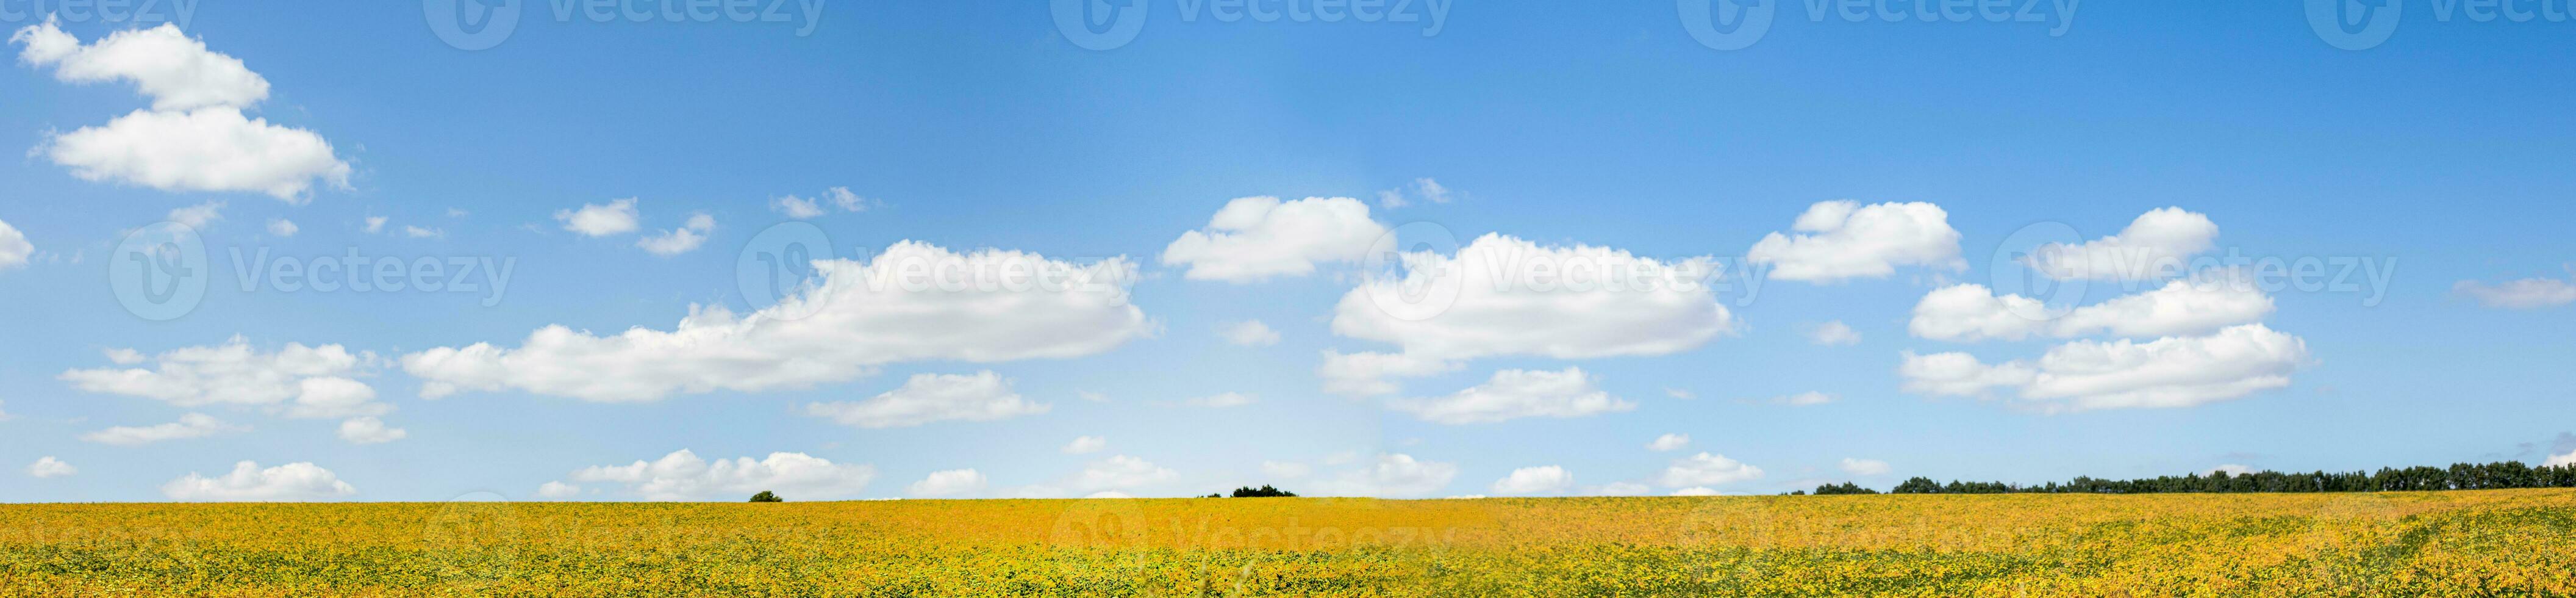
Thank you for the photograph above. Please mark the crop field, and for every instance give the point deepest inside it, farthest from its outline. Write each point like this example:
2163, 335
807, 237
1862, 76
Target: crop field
2484, 543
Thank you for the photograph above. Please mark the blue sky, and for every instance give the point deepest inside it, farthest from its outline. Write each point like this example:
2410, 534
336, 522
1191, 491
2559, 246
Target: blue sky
2436, 155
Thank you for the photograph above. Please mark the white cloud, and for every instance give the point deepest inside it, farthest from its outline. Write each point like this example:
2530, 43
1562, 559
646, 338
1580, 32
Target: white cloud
1085, 445
796, 207
954, 482
193, 425
1707, 469
926, 398
2568, 459
1865, 467
1286, 470
557, 490
1535, 480
1107, 494
198, 216
1249, 333
1840, 240
49, 467
1503, 296
1423, 189
1834, 333
616, 217
1122, 473
369, 430
301, 381
247, 482
1515, 394
1680, 393
2527, 293
1970, 312
1669, 442
1256, 238
1391, 475
1220, 400
680, 240
2086, 375
2231, 469
208, 149
1804, 399
1696, 491
1620, 489
681, 475
2153, 246
163, 63
375, 224
849, 202
282, 227
14, 248
855, 317
417, 232
804, 208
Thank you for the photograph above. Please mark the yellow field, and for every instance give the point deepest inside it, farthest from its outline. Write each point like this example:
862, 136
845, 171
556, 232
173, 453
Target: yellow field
2505, 542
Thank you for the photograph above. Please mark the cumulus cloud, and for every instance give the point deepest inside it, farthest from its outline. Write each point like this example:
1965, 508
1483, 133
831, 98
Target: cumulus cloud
1122, 473
557, 490
1535, 480
369, 430
2568, 459
162, 63
1249, 333
247, 482
1515, 394
1669, 442
195, 136
616, 217
1392, 476
282, 227
2154, 245
796, 207
14, 248
2527, 293
49, 467
375, 224
198, 216
679, 240
2086, 375
1841, 240
1970, 312
926, 398
1257, 238
954, 482
1706, 469
1503, 296
2229, 469
681, 475
193, 425
1865, 467
1834, 333
299, 381
1696, 491
1085, 445
914, 302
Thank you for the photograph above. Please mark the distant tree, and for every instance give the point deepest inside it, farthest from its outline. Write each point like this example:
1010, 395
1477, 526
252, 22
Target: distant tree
767, 496
1265, 491
1842, 488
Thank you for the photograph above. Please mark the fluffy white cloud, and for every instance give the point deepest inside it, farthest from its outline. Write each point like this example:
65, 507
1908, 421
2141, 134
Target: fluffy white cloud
163, 63
1249, 333
247, 482
282, 227
2086, 375
369, 430
1620, 489
1970, 312
954, 482
680, 240
1503, 296
1707, 469
796, 207
557, 490
926, 398
1514, 394
1391, 475
2230, 469
375, 224
1839, 240
1669, 442
1085, 445
914, 302
193, 425
681, 475
1696, 491
1535, 480
207, 149
1422, 189
2568, 459
49, 467
616, 217
2527, 293
1256, 238
1122, 473
2153, 246
1865, 467
300, 381
14, 248
197, 216
1834, 333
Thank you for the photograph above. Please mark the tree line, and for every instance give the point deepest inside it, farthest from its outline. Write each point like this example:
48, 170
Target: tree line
2460, 476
